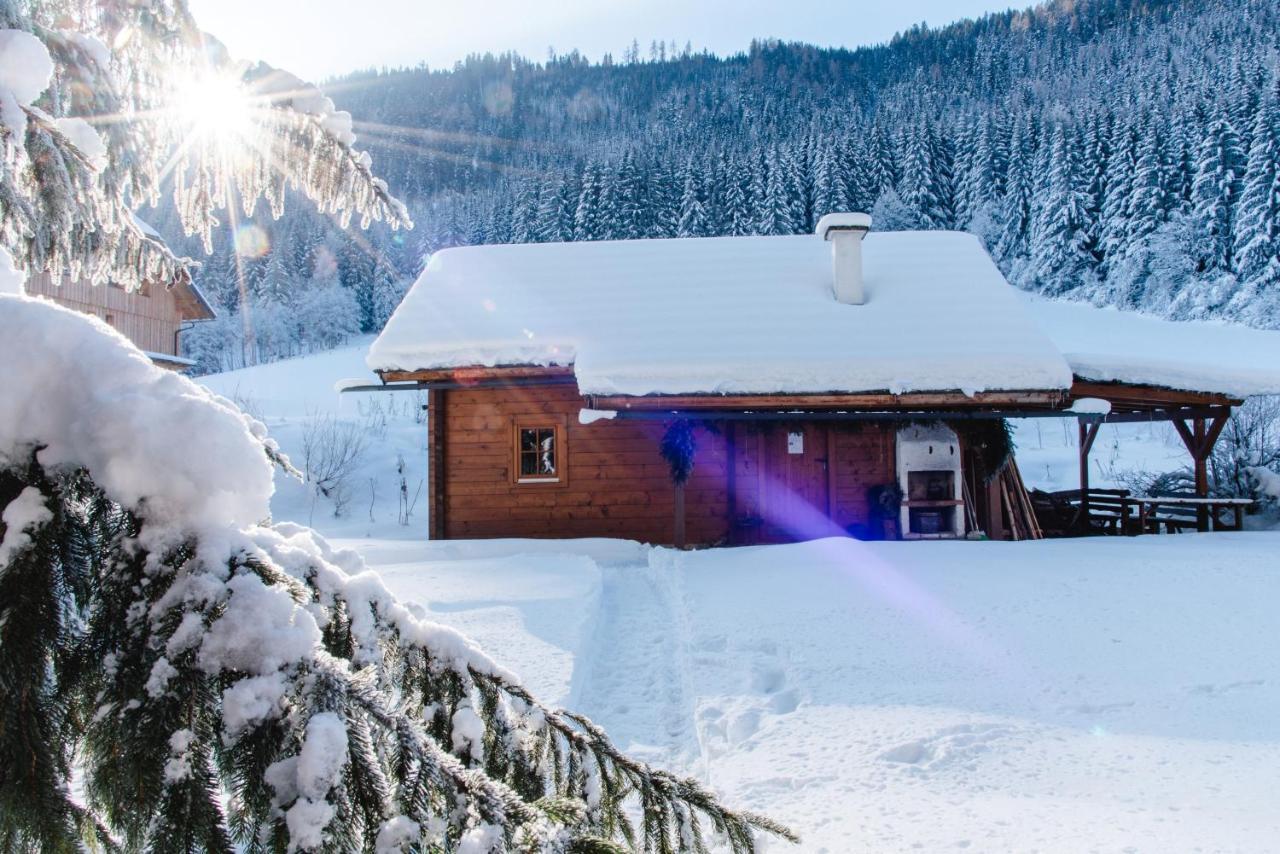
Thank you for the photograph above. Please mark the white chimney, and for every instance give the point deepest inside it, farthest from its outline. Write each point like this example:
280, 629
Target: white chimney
845, 232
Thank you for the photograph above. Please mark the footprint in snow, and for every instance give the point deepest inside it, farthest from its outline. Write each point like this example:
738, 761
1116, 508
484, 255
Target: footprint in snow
951, 745
1210, 689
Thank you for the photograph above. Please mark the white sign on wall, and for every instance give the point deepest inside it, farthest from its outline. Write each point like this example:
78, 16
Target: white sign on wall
795, 443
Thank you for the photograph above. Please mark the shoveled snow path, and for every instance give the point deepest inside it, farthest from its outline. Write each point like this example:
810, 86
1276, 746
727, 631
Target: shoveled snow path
637, 676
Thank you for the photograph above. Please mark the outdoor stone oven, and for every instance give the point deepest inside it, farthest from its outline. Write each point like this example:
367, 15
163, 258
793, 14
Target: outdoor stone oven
929, 475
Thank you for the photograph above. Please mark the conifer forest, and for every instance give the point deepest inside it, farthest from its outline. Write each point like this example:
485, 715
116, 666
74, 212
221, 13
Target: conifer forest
1123, 152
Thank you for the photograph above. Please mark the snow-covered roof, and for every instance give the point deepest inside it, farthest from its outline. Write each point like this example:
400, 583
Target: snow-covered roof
748, 315
1108, 345
756, 315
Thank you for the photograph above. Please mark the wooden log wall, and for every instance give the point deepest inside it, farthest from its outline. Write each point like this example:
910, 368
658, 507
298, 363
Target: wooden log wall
613, 481
863, 458
149, 317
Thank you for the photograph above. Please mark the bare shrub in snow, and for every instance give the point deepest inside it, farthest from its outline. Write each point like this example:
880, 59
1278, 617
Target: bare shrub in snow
406, 503
1249, 441
331, 452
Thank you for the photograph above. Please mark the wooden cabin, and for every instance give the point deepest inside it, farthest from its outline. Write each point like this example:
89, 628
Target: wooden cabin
152, 317
843, 383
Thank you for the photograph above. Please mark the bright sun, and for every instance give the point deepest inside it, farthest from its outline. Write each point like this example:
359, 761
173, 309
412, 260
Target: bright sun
216, 108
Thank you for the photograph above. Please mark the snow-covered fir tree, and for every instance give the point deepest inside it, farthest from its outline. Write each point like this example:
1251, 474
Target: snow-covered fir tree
1061, 233
1215, 193
1257, 235
208, 680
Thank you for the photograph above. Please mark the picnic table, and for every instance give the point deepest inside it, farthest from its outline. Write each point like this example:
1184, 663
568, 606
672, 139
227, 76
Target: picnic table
1116, 511
1183, 512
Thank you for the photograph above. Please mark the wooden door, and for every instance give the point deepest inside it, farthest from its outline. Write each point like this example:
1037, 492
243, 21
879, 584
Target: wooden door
795, 502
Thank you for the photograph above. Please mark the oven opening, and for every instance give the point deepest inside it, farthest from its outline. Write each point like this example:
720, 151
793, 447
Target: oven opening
924, 486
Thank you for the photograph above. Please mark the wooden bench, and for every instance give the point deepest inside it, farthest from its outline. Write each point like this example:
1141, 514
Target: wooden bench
1177, 513
1111, 511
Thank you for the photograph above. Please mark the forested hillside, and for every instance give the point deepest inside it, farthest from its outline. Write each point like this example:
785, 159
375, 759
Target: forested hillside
1120, 151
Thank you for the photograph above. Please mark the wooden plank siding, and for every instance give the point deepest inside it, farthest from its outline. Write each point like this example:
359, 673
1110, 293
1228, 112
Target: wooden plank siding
149, 317
613, 481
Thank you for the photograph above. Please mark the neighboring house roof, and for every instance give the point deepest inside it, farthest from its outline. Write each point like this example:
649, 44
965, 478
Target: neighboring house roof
167, 359
756, 315
192, 303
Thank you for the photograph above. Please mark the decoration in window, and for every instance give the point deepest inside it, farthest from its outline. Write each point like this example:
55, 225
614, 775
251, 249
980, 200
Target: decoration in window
538, 452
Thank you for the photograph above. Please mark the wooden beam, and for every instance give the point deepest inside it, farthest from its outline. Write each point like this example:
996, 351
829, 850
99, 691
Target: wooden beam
1200, 438
1151, 415
680, 536
1149, 395
1202, 474
830, 473
1089, 434
785, 402
1215, 430
995, 511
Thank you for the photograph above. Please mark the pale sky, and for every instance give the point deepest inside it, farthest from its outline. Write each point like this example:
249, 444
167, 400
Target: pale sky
318, 38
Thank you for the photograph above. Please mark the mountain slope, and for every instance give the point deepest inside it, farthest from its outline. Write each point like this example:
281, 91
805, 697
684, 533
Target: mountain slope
1120, 151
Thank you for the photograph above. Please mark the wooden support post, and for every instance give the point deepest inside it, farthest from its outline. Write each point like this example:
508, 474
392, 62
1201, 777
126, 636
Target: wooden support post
1200, 439
731, 478
680, 517
1088, 432
437, 463
995, 511
1202, 474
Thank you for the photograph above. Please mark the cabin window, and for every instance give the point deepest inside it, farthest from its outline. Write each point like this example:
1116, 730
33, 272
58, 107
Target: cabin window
539, 451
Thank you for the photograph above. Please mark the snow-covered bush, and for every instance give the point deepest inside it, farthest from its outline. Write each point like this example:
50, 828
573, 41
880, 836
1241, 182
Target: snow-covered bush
1251, 440
221, 681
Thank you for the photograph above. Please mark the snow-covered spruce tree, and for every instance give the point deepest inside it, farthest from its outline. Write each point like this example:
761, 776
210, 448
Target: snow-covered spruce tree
1215, 194
1257, 232
73, 172
209, 681
693, 216
1063, 259
1015, 214
220, 681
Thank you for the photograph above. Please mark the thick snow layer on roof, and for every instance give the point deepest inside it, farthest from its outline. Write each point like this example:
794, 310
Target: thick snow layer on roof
1108, 345
727, 315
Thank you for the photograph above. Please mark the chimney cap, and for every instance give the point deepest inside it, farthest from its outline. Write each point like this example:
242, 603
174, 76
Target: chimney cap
842, 222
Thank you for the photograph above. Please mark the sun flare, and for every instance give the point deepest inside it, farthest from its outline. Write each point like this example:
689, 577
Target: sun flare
216, 108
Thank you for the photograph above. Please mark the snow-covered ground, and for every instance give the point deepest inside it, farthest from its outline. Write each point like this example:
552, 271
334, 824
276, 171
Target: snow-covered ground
1100, 695
291, 395
1095, 695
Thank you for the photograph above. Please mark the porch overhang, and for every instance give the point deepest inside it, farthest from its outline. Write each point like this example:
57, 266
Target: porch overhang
1128, 402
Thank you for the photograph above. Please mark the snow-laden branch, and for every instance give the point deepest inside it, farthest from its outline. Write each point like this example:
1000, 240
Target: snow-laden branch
90, 133
184, 648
